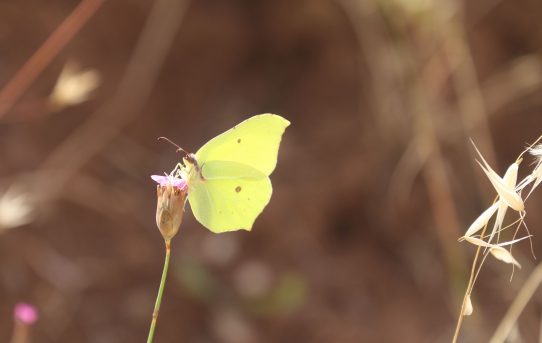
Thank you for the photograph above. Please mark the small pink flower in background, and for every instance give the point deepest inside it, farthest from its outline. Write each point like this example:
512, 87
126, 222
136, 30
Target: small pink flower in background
25, 316
164, 180
25, 313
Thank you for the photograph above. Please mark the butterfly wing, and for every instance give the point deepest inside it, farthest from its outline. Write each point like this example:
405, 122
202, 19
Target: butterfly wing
233, 186
253, 142
229, 197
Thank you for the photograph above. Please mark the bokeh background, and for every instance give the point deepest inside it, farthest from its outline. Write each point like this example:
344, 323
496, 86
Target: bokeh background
376, 177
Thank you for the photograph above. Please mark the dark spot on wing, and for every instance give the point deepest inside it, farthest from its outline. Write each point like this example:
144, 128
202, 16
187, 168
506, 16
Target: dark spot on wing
238, 140
238, 189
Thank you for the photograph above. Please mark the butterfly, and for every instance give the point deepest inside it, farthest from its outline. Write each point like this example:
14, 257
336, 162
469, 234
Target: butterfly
228, 177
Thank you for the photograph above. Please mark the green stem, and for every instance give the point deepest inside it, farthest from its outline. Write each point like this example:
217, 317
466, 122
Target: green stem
159, 296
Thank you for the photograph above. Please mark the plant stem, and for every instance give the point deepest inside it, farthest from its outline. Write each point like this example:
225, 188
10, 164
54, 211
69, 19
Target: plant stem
523, 297
159, 296
470, 285
468, 291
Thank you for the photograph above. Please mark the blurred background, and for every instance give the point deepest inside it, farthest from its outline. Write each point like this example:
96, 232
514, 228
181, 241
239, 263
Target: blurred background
376, 177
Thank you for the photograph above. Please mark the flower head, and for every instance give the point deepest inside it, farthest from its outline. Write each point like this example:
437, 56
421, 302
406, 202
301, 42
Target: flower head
164, 180
171, 196
25, 313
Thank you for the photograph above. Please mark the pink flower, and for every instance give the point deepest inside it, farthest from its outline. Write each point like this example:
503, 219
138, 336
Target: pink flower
25, 313
164, 180
171, 195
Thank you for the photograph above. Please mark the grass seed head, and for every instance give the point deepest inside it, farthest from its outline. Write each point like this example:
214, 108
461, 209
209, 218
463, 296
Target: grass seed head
504, 255
467, 311
506, 193
482, 220
536, 151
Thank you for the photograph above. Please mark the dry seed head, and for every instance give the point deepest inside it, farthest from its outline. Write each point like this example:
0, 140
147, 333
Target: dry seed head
536, 174
467, 311
499, 219
481, 243
504, 255
536, 151
170, 209
497, 250
482, 220
506, 193
510, 178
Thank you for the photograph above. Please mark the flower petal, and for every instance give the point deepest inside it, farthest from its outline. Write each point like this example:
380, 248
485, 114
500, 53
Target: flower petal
176, 182
164, 180
160, 179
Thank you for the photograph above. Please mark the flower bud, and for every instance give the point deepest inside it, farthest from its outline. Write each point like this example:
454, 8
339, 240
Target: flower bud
171, 196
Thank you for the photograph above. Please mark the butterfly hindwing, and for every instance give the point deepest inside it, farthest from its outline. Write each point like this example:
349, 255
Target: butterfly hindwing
229, 204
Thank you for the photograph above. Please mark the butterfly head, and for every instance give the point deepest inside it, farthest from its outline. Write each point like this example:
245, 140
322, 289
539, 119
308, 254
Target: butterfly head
190, 159
192, 167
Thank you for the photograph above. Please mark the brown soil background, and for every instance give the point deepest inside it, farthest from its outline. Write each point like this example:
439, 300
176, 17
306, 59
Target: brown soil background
359, 242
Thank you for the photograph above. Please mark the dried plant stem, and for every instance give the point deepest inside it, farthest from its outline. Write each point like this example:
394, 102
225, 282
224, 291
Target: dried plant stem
28, 73
523, 297
472, 107
160, 293
437, 181
470, 286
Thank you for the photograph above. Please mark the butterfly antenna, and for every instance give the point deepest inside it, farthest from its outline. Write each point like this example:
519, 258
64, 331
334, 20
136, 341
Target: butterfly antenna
175, 145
